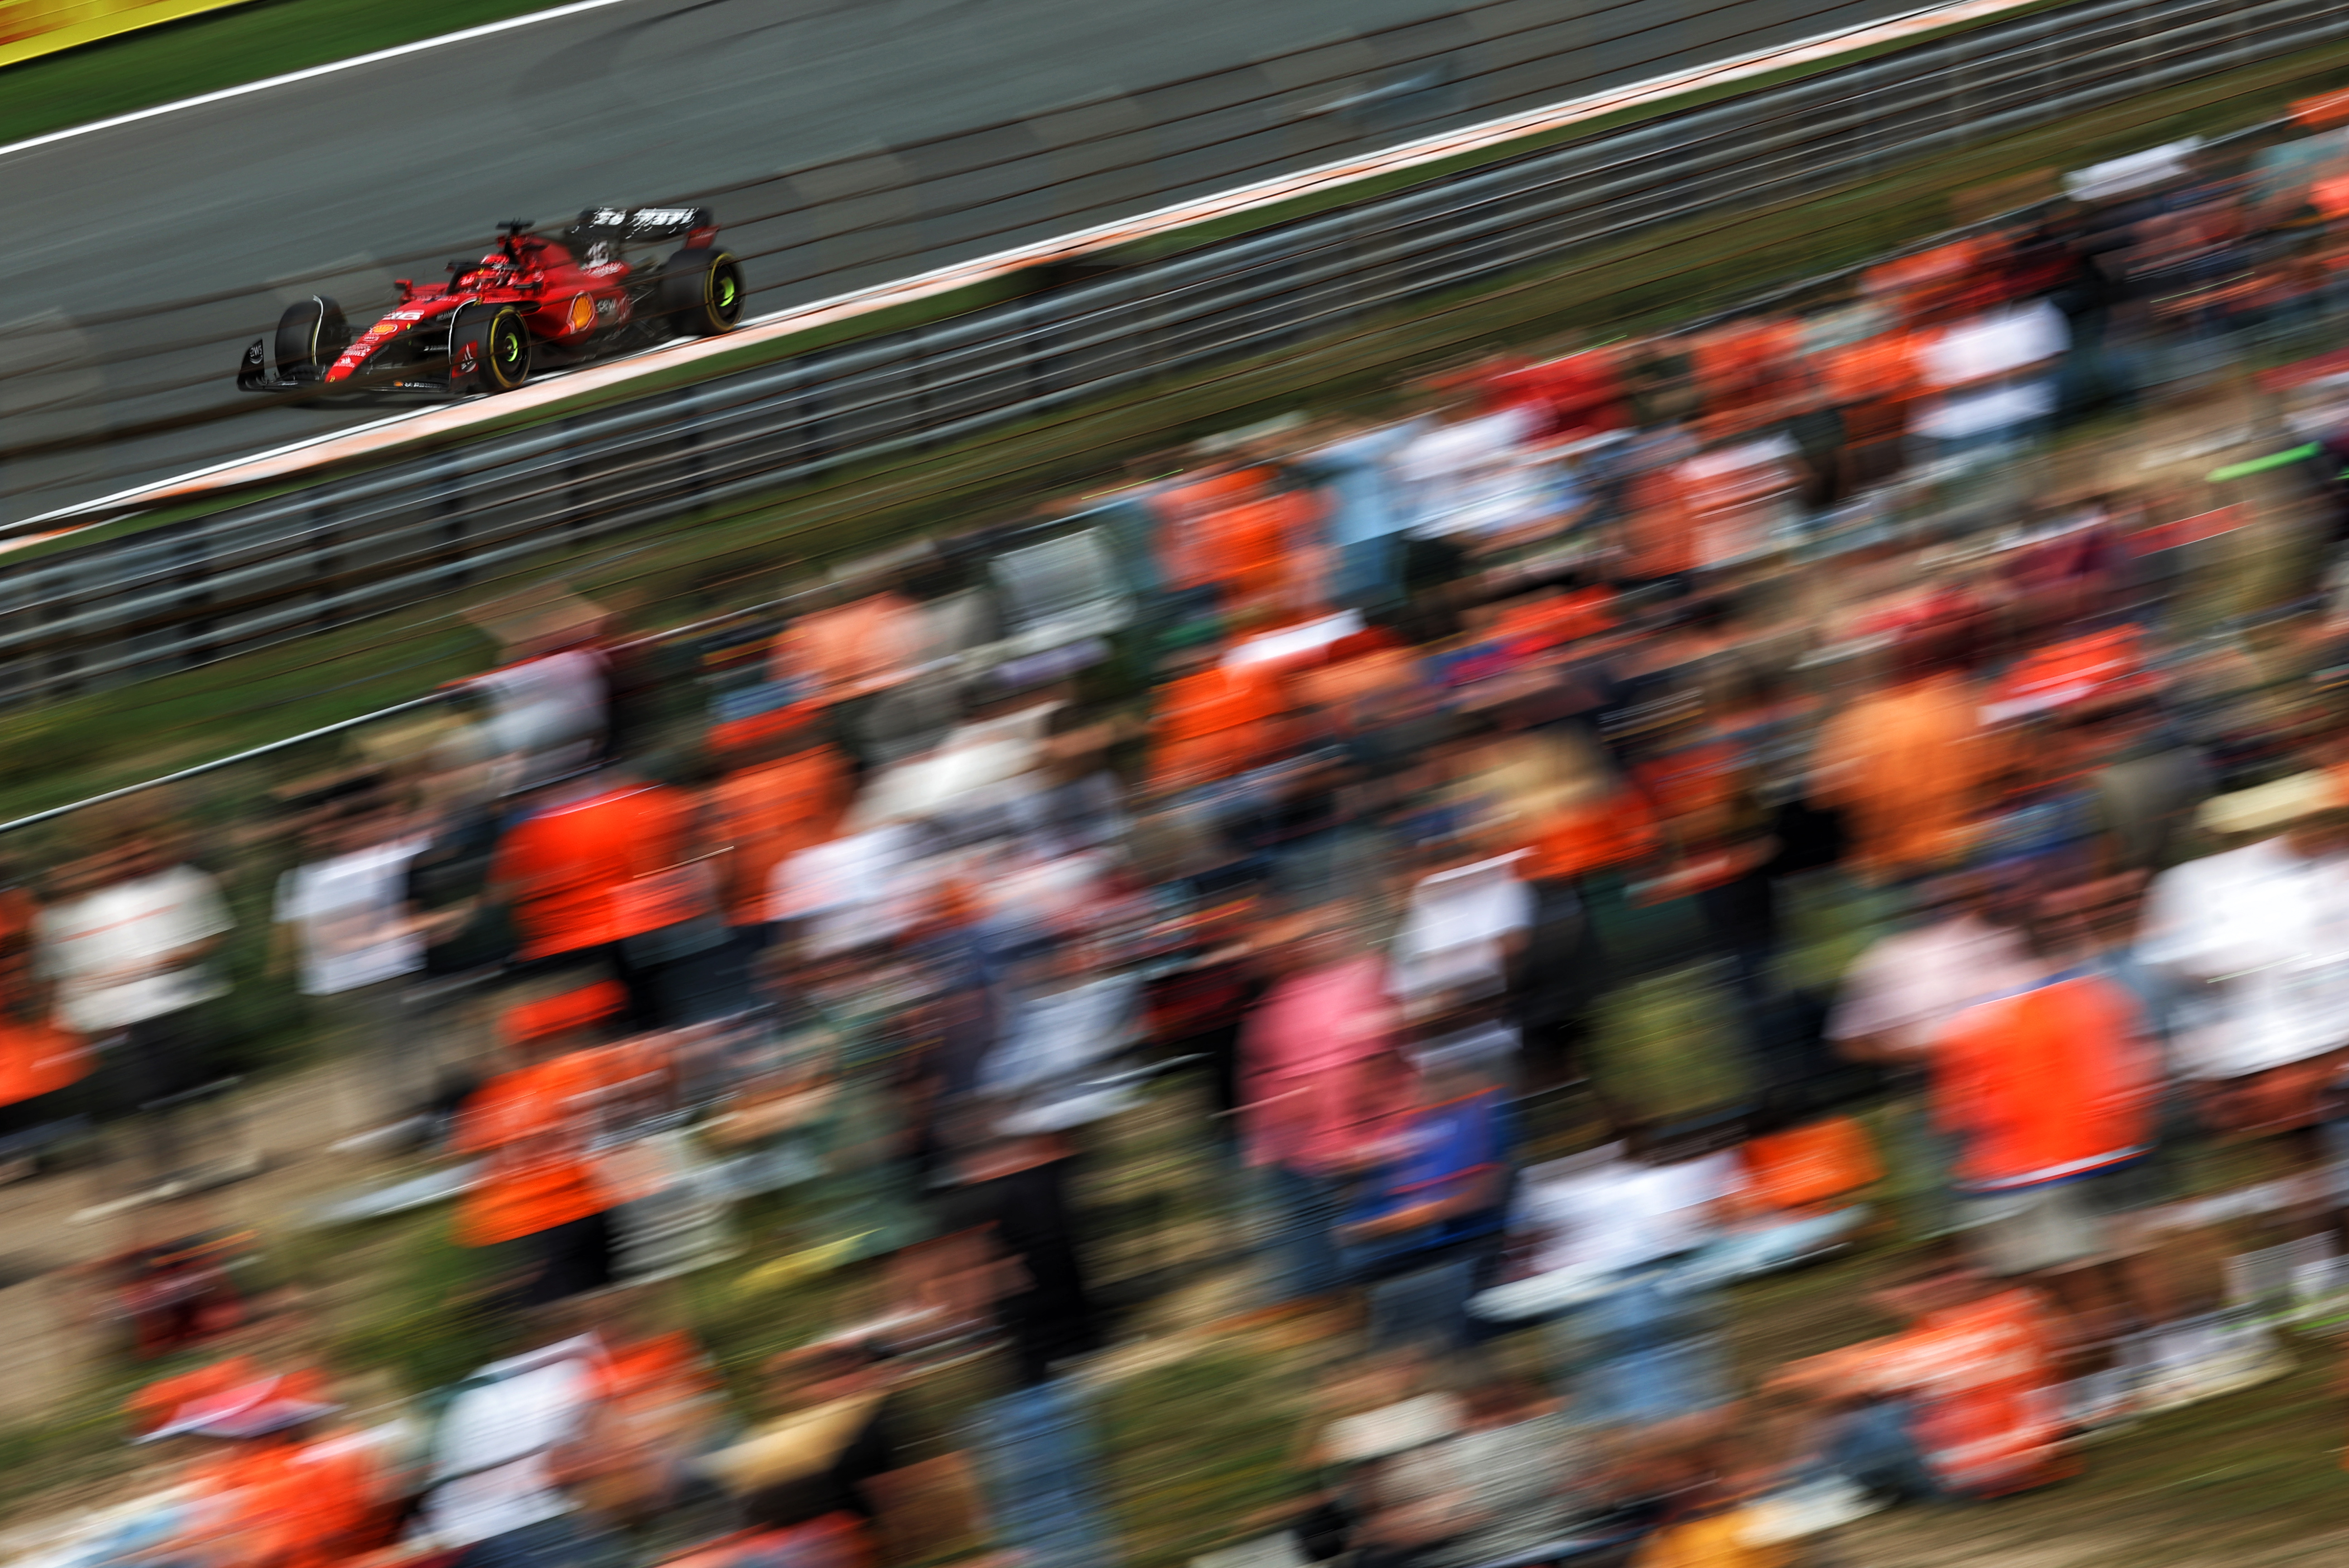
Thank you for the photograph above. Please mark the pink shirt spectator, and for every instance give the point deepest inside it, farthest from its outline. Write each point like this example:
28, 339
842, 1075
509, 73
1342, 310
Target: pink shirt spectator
1308, 1097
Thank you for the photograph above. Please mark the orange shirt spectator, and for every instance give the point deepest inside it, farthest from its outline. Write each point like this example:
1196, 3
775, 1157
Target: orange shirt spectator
1983, 1374
1882, 369
36, 1058
300, 1505
1578, 840
2045, 1086
1555, 619
1658, 528
1356, 676
1745, 371
2070, 671
587, 872
157, 1402
535, 1124
1186, 555
1215, 723
1260, 551
769, 811
1911, 766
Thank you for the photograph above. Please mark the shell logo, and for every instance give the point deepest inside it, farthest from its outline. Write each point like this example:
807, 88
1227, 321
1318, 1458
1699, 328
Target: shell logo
583, 313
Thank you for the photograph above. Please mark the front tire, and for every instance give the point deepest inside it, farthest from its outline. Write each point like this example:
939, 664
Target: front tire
311, 336
701, 292
488, 350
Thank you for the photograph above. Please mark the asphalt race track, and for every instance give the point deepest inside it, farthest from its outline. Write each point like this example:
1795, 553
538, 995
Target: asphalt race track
140, 258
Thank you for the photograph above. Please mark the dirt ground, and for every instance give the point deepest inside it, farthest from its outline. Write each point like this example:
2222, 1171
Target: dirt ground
291, 1121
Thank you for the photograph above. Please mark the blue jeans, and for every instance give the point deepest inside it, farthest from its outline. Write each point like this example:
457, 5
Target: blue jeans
1043, 1478
1649, 1350
1875, 1447
1304, 1210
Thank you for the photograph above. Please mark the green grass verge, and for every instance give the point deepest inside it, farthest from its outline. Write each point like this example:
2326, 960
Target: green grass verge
220, 49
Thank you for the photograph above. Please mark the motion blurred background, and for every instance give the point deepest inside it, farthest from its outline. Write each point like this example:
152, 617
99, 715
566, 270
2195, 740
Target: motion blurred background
1616, 840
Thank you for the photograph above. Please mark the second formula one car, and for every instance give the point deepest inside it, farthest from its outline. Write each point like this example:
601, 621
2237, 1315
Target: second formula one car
602, 287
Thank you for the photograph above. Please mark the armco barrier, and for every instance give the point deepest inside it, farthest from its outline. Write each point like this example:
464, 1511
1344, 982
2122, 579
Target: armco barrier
345, 548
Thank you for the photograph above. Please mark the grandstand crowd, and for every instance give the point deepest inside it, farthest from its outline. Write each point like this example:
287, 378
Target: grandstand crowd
1865, 777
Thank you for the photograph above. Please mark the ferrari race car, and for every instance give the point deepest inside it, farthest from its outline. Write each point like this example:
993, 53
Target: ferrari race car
601, 287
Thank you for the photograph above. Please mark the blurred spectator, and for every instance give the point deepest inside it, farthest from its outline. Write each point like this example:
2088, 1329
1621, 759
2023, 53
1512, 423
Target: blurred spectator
1517, 1475
508, 1440
2148, 781
1425, 1227
128, 950
2260, 928
1910, 764
784, 791
602, 872
1990, 380
1605, 1231
850, 652
1014, 1190
1904, 989
2050, 1090
1463, 933
1465, 482
1311, 1096
548, 703
835, 1428
344, 912
40, 1062
276, 1488
1957, 1404
540, 1196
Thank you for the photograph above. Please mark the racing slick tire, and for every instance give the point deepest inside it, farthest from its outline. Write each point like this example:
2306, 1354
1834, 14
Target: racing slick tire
701, 292
488, 350
311, 336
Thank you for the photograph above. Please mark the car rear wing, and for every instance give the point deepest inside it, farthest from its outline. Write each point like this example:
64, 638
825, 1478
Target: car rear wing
643, 225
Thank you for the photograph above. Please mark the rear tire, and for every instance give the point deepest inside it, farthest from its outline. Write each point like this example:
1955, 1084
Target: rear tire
488, 350
311, 336
701, 292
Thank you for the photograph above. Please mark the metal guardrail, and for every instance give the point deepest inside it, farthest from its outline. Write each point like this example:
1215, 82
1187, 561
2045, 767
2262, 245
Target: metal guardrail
347, 548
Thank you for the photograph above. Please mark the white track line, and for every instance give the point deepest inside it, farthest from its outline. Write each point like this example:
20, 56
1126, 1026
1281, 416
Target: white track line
484, 30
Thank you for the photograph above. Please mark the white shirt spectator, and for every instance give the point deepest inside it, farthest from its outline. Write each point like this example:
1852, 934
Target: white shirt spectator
491, 1456
849, 890
1456, 937
348, 913
1468, 477
1602, 1211
1991, 366
101, 950
550, 710
2264, 931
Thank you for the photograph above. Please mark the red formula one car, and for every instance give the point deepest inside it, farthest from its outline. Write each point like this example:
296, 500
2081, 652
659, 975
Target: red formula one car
601, 287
